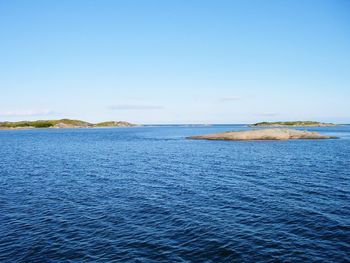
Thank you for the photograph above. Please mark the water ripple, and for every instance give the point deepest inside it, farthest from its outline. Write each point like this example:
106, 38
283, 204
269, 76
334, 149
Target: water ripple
148, 195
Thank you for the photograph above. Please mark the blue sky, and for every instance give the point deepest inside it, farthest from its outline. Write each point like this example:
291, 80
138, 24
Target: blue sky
175, 61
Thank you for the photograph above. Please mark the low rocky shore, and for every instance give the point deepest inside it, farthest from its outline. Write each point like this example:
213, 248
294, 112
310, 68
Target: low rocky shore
61, 124
263, 134
293, 124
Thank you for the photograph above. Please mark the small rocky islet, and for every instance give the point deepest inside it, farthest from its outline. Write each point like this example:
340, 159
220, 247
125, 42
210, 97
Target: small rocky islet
292, 124
262, 134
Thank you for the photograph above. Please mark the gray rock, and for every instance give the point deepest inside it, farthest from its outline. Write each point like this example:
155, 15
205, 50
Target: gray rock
263, 134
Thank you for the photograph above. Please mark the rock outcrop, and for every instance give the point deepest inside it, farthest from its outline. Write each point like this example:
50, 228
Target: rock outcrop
292, 124
263, 134
114, 124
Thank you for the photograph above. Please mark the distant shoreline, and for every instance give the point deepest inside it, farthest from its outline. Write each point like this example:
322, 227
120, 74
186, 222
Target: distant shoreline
293, 124
61, 124
76, 124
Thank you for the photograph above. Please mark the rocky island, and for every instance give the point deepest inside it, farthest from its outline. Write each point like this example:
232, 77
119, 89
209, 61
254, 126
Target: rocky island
263, 134
293, 124
63, 123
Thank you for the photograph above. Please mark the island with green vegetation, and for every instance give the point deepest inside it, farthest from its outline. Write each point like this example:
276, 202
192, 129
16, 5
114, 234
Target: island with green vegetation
113, 124
63, 123
293, 123
262, 134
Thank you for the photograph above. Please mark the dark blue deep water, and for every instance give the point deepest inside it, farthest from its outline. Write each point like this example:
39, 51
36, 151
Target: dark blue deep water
148, 195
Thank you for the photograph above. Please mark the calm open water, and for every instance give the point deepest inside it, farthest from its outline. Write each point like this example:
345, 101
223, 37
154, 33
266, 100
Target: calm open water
146, 194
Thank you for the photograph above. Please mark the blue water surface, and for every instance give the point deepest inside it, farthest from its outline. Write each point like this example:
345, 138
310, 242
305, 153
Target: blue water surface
147, 194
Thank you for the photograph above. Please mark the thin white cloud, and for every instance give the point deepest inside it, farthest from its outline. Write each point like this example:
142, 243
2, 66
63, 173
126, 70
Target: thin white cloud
227, 99
270, 114
134, 107
27, 113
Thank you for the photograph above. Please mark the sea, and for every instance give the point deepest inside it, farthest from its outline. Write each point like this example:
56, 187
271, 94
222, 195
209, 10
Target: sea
148, 194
